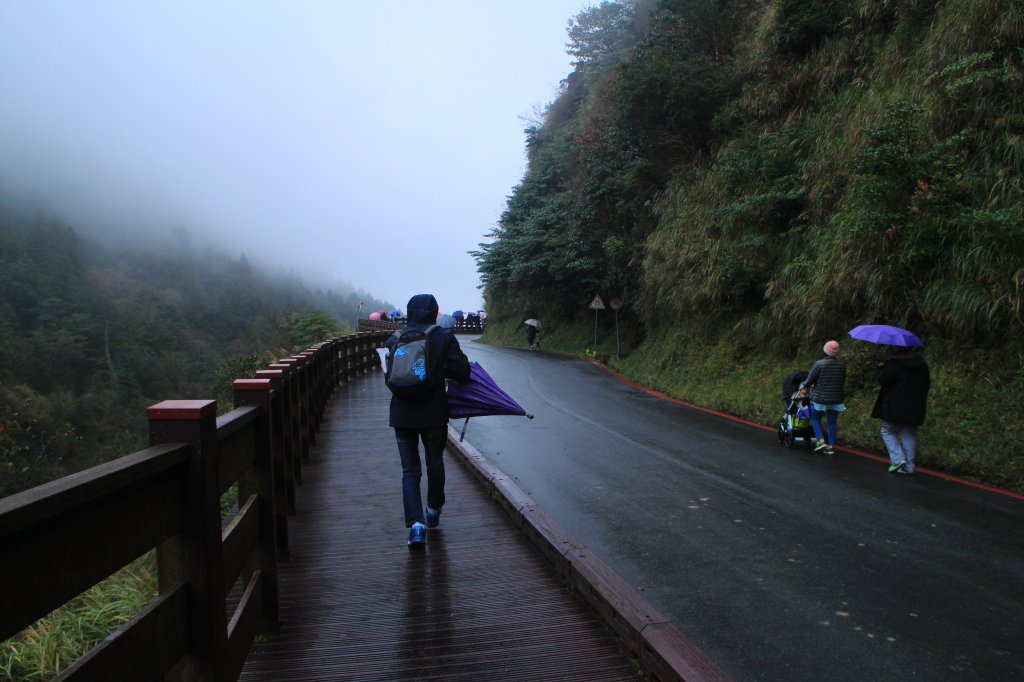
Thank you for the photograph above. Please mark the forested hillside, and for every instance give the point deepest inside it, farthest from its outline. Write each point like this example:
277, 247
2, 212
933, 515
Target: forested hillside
752, 178
92, 335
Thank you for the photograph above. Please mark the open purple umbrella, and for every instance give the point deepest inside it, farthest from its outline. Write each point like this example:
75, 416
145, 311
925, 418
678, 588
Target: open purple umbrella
480, 397
885, 335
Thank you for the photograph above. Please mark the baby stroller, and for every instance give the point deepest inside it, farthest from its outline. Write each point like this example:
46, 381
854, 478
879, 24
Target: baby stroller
795, 423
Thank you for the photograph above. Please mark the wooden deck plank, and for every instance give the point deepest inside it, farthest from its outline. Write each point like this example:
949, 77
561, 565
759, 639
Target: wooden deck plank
479, 602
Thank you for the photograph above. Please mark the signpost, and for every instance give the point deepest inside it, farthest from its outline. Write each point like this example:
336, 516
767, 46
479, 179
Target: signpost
595, 305
614, 305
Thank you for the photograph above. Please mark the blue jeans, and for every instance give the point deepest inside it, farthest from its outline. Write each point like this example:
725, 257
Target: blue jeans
900, 452
833, 417
434, 441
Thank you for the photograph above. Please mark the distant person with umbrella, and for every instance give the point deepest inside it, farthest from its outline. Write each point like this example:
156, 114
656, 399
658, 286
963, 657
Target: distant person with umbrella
425, 419
904, 381
532, 327
827, 385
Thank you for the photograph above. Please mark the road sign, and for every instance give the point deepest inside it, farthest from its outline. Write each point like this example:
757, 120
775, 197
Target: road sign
614, 304
597, 303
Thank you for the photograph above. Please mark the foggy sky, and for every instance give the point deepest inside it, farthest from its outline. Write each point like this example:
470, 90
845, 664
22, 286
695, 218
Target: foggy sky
345, 141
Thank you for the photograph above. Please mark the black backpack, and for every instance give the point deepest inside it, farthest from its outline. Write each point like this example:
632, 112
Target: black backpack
409, 373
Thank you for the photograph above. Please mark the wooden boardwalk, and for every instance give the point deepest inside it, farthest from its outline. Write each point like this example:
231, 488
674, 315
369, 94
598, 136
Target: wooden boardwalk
480, 602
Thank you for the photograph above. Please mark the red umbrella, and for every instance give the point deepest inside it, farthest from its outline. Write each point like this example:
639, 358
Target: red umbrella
480, 397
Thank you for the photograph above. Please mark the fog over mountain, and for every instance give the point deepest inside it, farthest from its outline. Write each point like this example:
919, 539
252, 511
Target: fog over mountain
345, 142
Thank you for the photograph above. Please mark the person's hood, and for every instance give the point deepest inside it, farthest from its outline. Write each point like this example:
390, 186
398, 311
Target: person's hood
422, 309
910, 361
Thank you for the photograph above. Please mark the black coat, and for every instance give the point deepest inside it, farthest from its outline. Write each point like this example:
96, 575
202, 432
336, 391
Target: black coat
905, 381
444, 351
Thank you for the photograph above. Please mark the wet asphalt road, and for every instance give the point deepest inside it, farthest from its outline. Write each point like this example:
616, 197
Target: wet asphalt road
780, 564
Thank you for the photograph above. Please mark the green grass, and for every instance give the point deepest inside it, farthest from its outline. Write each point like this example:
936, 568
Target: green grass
54, 642
57, 640
973, 429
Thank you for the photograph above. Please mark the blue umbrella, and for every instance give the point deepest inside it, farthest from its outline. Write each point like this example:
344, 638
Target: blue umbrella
885, 335
480, 397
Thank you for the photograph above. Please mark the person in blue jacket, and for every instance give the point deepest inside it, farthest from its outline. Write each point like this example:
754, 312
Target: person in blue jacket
426, 420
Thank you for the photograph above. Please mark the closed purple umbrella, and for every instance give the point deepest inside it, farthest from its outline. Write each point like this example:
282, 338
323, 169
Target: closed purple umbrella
480, 397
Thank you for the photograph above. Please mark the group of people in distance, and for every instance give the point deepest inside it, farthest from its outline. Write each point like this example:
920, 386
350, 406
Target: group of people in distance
904, 381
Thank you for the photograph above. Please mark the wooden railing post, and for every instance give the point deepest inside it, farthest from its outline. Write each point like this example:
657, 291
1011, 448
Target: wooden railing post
301, 415
258, 393
307, 404
330, 350
315, 387
323, 380
368, 351
327, 357
336, 374
195, 557
323, 359
349, 352
281, 437
362, 347
359, 352
293, 440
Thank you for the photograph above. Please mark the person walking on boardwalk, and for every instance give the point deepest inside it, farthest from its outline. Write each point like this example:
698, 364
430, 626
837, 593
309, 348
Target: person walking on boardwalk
902, 399
827, 383
421, 413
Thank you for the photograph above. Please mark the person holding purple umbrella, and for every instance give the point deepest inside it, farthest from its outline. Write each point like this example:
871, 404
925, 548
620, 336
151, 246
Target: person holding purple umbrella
426, 419
902, 399
827, 385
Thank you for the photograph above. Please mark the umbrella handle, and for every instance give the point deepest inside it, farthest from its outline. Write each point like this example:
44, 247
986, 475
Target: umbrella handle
464, 425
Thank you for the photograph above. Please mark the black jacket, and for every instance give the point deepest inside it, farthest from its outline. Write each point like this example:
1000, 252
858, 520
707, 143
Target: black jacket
444, 350
903, 397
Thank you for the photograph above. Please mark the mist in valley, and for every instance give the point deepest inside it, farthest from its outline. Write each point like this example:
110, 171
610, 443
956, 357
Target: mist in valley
355, 147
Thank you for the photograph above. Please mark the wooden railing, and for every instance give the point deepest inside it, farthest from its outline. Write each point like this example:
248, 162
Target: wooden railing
217, 575
473, 325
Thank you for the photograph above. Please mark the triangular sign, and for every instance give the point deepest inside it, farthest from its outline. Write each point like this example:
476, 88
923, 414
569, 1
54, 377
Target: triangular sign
597, 303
